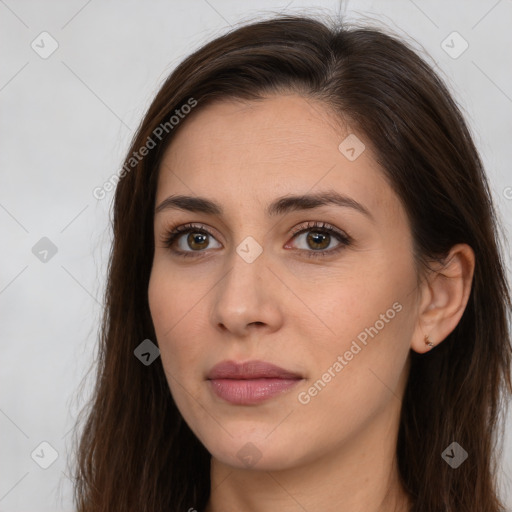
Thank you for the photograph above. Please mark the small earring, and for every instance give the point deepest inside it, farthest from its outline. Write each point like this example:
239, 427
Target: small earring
428, 342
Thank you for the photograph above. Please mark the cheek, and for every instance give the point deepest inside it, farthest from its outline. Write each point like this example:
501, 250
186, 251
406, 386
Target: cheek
172, 311
342, 305
161, 302
370, 320
171, 322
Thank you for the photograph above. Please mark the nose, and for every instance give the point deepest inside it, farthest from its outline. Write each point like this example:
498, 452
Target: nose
247, 298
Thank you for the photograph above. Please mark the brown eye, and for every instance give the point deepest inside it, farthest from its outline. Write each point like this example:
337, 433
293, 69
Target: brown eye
197, 241
317, 240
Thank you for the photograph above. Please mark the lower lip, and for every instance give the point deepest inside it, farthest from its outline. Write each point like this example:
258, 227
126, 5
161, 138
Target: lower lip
247, 392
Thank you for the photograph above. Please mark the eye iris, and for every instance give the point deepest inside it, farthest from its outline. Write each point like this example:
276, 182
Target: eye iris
317, 238
193, 237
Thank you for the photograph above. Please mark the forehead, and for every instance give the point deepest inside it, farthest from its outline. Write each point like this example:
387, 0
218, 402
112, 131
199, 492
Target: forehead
286, 128
251, 152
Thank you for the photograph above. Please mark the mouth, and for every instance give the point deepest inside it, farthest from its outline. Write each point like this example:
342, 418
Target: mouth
251, 382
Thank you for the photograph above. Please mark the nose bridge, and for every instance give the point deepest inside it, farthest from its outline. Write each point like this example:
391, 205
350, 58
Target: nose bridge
244, 279
243, 296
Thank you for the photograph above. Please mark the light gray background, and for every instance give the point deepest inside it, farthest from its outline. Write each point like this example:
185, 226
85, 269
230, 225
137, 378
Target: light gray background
66, 122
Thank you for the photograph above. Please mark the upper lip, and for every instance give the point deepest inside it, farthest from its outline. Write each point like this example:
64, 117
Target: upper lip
249, 370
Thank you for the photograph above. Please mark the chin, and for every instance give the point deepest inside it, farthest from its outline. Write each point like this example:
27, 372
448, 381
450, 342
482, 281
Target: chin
254, 451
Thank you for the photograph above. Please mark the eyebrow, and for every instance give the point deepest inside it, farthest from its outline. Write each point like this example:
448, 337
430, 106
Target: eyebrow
279, 206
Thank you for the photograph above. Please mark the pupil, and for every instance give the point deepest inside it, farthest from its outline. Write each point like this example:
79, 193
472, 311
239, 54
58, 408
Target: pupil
317, 238
192, 237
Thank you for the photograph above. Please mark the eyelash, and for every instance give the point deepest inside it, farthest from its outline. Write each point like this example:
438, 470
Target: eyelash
173, 234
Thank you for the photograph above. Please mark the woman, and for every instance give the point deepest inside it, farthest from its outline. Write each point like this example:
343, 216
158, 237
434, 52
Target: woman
304, 228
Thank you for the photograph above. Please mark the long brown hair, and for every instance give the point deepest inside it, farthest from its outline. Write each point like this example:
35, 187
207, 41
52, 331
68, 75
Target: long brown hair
135, 452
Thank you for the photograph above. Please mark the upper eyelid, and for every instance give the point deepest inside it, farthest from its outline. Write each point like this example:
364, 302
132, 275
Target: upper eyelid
320, 225
308, 224
182, 229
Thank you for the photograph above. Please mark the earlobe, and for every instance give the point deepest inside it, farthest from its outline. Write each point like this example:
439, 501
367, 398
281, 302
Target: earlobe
445, 294
428, 341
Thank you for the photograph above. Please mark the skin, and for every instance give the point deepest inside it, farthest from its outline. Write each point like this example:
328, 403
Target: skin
296, 312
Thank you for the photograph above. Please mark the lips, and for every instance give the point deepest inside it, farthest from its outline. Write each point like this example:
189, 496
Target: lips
251, 382
249, 370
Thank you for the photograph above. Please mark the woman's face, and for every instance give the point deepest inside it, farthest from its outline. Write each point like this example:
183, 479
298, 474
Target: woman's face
260, 279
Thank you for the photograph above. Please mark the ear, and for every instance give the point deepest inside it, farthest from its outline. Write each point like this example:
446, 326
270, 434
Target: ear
444, 295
